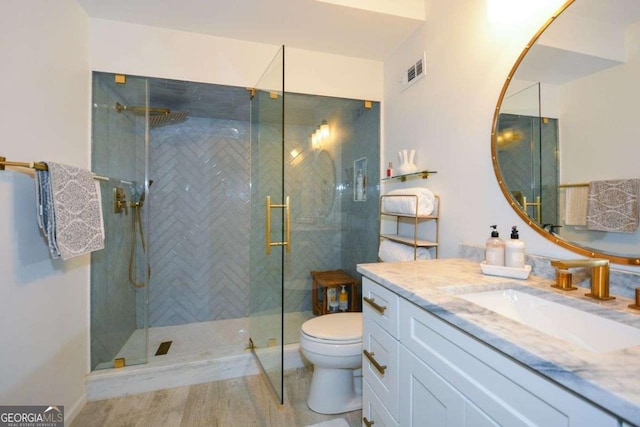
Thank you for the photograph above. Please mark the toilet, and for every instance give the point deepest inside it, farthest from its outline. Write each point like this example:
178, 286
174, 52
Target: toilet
333, 343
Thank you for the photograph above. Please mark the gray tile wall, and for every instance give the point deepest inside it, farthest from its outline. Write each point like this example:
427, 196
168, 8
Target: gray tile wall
200, 216
199, 212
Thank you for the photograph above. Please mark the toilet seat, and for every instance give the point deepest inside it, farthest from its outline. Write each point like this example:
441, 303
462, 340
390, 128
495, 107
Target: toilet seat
338, 328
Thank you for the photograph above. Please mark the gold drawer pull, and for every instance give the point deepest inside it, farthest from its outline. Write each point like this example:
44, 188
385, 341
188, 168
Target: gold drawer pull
374, 362
367, 422
372, 302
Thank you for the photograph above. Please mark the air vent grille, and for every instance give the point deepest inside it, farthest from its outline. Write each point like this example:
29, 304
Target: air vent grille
413, 73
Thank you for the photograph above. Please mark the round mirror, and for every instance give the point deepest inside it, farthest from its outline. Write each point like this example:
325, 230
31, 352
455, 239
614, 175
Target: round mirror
565, 133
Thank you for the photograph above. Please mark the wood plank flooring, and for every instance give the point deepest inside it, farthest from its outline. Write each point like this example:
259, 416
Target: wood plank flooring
239, 402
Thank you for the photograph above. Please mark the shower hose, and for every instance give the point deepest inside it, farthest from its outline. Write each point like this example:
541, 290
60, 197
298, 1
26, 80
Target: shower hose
137, 227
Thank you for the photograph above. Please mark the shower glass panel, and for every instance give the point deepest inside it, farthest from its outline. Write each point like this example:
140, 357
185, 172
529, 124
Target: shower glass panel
528, 145
269, 222
118, 281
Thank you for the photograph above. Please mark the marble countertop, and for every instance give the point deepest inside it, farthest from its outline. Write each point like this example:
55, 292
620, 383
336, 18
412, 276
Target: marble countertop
609, 380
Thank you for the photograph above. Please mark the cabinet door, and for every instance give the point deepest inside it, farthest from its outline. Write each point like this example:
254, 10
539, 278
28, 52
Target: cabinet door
383, 350
373, 411
429, 400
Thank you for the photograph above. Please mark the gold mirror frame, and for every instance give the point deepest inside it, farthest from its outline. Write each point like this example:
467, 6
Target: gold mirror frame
496, 168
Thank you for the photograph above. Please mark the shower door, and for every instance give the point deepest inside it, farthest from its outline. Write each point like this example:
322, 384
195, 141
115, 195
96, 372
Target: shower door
527, 143
119, 141
269, 240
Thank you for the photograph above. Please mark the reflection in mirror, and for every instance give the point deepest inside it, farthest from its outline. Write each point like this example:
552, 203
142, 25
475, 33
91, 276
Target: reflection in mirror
527, 145
568, 118
320, 182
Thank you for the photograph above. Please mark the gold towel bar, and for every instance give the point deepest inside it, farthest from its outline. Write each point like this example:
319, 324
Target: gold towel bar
43, 167
579, 184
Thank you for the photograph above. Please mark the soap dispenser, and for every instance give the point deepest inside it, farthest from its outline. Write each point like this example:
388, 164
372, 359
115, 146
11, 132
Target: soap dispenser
494, 250
514, 250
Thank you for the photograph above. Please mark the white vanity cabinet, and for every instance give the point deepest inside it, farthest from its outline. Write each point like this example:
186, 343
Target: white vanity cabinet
380, 355
444, 377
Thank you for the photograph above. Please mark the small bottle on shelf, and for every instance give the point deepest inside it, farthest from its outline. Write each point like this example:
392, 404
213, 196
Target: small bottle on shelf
332, 300
343, 299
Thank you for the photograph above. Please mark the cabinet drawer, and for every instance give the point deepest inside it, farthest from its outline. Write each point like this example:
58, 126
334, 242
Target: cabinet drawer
381, 305
373, 409
380, 364
506, 392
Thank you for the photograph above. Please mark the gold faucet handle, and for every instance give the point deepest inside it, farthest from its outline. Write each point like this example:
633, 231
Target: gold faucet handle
636, 305
563, 281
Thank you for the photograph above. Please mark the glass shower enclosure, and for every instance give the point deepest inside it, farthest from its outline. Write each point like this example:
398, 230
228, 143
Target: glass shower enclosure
119, 278
270, 223
245, 203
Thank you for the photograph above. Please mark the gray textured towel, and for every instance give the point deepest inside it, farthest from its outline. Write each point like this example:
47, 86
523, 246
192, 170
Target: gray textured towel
613, 205
69, 210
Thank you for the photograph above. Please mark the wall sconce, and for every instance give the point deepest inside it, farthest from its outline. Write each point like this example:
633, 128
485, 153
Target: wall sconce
321, 133
324, 129
507, 137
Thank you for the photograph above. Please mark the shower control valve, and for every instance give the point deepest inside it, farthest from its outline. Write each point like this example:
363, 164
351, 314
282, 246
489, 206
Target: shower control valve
119, 201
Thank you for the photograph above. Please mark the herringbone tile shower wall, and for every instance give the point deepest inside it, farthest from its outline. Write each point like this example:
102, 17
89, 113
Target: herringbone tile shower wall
200, 216
199, 222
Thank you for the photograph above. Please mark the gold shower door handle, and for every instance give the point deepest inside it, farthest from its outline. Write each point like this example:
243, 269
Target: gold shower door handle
287, 225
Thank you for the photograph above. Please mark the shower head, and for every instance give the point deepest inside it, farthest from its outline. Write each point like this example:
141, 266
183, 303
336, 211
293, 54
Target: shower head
157, 116
156, 121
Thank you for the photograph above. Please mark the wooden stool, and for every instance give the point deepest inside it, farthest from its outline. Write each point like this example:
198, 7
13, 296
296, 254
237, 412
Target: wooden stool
323, 280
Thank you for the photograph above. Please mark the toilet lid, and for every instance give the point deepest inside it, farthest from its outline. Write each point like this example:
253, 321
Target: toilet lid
335, 327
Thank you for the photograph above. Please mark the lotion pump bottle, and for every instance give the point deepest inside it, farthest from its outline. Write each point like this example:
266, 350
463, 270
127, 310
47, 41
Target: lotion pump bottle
514, 250
494, 250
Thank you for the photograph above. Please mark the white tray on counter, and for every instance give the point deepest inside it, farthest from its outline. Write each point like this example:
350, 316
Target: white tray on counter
497, 270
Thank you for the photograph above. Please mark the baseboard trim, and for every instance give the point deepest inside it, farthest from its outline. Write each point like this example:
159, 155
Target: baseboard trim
70, 413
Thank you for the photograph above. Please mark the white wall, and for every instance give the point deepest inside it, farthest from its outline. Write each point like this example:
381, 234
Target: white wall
155, 52
44, 320
447, 117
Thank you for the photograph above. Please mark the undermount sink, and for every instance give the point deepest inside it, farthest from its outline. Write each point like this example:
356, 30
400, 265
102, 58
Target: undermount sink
591, 332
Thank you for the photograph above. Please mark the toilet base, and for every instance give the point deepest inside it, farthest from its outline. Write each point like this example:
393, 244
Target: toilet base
334, 391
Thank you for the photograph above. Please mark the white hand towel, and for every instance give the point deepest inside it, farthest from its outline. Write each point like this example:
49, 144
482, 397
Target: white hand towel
576, 205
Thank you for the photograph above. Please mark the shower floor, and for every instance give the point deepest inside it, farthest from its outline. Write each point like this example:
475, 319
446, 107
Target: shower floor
200, 352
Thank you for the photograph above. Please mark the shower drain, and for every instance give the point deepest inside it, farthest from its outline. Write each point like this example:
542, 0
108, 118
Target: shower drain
163, 348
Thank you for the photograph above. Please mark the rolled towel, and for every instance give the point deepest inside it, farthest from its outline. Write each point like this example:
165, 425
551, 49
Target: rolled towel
392, 251
407, 204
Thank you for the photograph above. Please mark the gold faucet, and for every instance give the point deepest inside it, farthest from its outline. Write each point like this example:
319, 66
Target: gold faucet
599, 276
